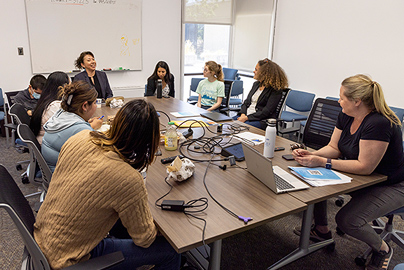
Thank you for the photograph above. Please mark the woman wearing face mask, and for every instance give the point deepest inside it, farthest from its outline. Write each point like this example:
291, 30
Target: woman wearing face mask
162, 72
97, 79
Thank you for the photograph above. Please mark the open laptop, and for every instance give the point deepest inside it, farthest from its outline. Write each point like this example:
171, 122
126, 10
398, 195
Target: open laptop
215, 116
274, 177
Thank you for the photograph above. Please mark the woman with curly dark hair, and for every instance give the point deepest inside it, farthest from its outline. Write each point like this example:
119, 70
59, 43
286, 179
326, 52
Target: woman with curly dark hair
265, 93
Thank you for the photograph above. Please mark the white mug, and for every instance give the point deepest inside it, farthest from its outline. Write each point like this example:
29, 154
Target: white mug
98, 102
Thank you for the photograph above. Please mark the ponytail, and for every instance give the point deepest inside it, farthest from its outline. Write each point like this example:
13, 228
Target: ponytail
217, 69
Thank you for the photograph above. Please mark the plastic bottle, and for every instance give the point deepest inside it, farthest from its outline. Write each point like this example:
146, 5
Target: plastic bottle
270, 137
171, 140
159, 88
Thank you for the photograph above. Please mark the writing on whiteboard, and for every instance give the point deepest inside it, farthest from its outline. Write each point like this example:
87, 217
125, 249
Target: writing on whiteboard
111, 2
78, 2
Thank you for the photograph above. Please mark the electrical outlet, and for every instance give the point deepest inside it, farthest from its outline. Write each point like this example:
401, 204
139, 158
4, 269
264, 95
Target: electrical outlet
20, 51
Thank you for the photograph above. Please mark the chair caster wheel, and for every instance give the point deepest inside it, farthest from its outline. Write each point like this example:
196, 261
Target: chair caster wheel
331, 247
339, 231
360, 261
25, 179
18, 167
339, 202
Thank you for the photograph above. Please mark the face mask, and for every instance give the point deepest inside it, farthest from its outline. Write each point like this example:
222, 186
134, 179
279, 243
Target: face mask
36, 95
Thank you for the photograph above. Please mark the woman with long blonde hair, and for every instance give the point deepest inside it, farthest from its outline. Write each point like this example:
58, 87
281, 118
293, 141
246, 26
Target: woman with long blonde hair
367, 138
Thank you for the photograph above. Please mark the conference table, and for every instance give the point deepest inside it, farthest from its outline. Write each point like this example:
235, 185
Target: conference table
234, 188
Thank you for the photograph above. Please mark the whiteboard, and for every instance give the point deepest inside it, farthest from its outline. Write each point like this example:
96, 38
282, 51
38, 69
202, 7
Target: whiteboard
59, 30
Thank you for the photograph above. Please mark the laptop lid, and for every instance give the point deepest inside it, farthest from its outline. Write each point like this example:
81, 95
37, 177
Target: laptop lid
215, 116
261, 167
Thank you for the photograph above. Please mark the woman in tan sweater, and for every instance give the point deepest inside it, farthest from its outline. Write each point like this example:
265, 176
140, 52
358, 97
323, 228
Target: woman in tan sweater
95, 183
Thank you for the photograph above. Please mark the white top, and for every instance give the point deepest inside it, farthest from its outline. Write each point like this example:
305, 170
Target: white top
254, 99
47, 113
166, 91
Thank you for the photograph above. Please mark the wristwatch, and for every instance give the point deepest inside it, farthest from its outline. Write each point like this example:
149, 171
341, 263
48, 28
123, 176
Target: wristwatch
328, 165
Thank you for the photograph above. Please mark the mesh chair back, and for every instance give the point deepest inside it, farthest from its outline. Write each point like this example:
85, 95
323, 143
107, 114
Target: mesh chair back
228, 86
10, 96
17, 206
27, 136
281, 103
321, 123
19, 114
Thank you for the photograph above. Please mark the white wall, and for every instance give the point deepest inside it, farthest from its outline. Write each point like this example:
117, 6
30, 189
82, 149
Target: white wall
161, 35
320, 43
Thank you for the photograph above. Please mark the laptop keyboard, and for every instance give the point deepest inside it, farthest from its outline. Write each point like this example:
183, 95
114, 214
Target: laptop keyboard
281, 184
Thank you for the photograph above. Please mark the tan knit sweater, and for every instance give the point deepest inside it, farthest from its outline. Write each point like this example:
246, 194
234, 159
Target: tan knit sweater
89, 191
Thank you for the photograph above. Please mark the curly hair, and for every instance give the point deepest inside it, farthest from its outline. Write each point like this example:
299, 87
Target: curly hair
272, 75
80, 59
75, 94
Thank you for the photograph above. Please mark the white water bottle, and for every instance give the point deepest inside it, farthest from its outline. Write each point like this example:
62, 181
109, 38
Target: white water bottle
270, 137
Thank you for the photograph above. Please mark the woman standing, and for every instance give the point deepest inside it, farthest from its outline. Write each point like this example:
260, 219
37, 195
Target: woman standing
265, 94
48, 104
367, 138
97, 79
211, 90
162, 72
96, 182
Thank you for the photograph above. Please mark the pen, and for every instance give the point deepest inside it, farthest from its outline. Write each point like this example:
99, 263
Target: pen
256, 140
101, 117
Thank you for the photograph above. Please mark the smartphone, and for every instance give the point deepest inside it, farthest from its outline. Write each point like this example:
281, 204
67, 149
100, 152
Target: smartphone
288, 157
279, 148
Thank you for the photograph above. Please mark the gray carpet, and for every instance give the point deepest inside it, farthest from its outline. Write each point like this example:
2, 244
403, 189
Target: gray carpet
254, 249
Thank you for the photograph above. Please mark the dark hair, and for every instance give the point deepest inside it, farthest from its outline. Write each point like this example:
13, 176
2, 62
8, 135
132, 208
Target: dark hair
272, 75
38, 81
217, 69
134, 134
75, 94
161, 64
80, 59
49, 94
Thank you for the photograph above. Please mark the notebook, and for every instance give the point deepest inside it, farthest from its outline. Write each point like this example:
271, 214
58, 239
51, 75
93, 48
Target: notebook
215, 116
274, 177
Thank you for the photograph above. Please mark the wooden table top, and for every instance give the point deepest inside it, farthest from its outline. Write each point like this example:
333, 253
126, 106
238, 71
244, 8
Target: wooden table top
235, 188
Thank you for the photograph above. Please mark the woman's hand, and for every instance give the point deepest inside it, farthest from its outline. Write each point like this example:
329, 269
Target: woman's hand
307, 159
242, 118
95, 123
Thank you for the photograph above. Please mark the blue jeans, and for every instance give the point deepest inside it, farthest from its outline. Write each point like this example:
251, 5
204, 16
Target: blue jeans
256, 124
160, 253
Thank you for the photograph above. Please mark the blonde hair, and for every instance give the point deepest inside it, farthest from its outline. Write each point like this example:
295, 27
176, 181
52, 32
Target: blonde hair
362, 87
217, 69
272, 75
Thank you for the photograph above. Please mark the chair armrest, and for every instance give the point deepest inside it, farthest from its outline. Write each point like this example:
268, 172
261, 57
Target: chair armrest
102, 262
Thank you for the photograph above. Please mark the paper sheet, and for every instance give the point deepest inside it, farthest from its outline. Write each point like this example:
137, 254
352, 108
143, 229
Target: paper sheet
250, 137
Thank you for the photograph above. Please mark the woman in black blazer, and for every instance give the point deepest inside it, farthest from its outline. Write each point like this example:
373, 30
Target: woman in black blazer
98, 79
162, 71
265, 93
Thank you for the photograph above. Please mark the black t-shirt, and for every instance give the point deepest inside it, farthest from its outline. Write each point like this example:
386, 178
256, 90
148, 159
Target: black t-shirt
374, 127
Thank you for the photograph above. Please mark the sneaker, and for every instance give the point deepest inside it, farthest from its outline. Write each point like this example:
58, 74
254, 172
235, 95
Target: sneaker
315, 235
380, 259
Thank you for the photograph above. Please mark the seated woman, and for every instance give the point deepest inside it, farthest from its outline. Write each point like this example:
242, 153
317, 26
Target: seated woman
162, 71
265, 94
97, 79
48, 104
78, 106
211, 90
96, 182
367, 138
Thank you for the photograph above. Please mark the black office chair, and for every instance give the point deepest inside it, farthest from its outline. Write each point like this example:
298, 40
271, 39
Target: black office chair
19, 116
17, 206
278, 111
228, 87
321, 123
28, 137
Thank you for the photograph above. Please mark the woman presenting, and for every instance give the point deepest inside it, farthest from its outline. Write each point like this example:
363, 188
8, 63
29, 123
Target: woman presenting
265, 94
95, 78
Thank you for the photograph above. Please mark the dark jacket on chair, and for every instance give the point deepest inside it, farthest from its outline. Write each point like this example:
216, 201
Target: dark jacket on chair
102, 79
266, 103
152, 85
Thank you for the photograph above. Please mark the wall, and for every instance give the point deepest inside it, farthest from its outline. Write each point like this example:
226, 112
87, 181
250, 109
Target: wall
320, 43
161, 32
